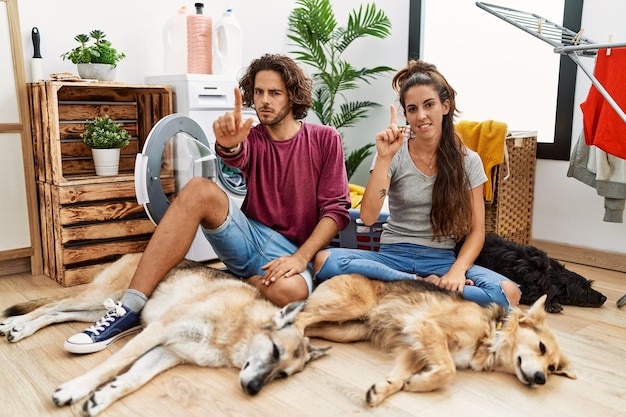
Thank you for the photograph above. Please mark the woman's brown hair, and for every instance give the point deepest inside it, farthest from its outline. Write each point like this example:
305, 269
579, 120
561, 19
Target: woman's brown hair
451, 212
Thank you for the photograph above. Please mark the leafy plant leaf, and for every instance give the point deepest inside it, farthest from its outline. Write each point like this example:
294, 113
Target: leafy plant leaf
320, 43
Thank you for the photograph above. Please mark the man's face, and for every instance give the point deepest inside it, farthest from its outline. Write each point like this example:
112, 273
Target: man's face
271, 99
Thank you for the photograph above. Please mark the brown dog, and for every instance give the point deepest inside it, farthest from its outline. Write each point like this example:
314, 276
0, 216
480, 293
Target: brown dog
432, 333
197, 315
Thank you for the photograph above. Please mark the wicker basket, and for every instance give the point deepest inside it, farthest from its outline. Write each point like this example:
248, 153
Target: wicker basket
509, 215
511, 212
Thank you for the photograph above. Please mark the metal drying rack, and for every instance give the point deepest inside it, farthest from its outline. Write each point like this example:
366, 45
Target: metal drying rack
564, 41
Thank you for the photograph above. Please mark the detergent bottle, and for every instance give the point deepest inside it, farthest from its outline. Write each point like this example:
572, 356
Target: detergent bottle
228, 45
175, 43
199, 42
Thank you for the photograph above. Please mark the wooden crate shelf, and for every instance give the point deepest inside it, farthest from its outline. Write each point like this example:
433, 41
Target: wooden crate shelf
86, 225
87, 220
59, 111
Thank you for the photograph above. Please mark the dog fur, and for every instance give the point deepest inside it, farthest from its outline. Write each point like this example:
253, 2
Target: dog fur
537, 274
432, 332
197, 315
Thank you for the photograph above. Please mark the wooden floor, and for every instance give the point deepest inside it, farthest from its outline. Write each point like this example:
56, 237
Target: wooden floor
593, 339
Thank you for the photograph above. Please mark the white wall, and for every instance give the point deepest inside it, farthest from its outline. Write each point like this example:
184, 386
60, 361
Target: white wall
565, 210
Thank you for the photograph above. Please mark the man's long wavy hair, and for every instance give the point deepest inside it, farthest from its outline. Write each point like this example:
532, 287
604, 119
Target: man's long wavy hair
451, 212
299, 86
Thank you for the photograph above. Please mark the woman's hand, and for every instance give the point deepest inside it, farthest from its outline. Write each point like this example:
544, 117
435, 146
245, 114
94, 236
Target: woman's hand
388, 141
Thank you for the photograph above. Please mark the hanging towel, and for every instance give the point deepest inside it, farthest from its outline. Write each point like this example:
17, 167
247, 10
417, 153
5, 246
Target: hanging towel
603, 127
604, 172
488, 140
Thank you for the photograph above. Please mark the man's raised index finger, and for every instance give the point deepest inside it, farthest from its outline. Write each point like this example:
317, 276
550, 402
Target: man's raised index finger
237, 109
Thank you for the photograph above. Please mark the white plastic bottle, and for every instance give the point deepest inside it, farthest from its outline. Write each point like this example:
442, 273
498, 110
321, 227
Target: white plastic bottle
175, 43
228, 46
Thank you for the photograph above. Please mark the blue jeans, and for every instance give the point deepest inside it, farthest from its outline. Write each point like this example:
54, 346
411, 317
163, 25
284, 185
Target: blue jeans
404, 260
244, 245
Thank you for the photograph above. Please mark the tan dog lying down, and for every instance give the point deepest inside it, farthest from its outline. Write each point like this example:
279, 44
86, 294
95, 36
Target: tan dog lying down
432, 332
197, 315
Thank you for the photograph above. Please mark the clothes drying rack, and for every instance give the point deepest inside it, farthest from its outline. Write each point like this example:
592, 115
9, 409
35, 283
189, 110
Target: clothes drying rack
565, 41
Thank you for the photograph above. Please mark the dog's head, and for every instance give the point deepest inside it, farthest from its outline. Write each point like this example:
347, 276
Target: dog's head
277, 351
573, 289
529, 349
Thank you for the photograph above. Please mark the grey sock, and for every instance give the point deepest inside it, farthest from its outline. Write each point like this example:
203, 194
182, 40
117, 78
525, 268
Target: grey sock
134, 300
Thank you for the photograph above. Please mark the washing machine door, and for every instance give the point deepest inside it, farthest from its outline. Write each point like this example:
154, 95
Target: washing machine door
176, 150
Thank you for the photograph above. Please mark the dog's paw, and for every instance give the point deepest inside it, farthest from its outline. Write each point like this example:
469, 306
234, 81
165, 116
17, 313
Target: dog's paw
554, 308
95, 404
69, 393
18, 333
6, 325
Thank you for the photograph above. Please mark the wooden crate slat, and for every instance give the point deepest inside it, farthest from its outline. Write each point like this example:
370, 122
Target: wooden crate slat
119, 210
94, 254
87, 111
108, 230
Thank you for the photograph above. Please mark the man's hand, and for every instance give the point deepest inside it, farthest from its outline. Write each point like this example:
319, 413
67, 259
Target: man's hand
229, 129
283, 267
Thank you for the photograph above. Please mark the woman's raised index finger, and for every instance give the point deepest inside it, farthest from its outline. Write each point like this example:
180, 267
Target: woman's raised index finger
394, 115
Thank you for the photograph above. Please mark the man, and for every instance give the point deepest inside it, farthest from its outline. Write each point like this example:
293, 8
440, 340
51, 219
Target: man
297, 200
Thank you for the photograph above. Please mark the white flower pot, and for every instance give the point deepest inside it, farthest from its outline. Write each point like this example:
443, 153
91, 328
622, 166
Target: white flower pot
100, 72
106, 161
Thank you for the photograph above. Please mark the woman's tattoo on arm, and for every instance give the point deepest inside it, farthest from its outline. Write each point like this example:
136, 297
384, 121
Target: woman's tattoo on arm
383, 193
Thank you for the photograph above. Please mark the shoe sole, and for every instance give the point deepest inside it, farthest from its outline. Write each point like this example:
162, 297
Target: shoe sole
98, 346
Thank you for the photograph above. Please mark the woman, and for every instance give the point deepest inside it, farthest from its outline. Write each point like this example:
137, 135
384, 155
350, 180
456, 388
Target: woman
435, 190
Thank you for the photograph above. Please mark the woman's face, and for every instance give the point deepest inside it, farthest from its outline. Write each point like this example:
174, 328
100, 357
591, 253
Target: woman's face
424, 111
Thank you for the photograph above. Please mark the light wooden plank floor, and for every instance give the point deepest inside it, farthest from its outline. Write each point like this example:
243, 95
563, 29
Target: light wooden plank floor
593, 339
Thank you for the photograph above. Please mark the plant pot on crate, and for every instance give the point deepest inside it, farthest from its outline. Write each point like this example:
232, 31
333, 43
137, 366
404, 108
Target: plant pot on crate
105, 138
106, 161
100, 72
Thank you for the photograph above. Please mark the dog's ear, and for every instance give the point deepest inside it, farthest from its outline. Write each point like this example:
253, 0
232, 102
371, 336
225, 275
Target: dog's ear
564, 368
537, 312
314, 352
288, 314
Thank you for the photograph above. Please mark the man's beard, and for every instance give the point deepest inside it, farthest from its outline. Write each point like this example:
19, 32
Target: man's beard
264, 119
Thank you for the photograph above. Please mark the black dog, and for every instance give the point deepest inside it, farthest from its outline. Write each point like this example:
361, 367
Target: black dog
537, 274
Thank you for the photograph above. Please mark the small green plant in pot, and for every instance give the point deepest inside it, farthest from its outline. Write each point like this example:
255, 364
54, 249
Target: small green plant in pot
97, 60
105, 138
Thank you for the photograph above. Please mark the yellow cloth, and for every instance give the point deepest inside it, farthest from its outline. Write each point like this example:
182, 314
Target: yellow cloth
356, 194
487, 139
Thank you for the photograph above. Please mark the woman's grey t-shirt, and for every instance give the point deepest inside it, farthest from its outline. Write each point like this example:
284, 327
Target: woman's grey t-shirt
410, 200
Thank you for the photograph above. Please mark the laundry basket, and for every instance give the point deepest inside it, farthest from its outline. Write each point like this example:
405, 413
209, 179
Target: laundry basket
359, 236
510, 213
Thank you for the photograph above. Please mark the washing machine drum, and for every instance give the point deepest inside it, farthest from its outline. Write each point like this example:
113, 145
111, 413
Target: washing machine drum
176, 150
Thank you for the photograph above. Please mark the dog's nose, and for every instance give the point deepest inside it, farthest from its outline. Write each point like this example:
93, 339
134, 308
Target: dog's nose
539, 378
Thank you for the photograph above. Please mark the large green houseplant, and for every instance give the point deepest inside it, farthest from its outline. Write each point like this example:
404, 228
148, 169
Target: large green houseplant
321, 43
96, 60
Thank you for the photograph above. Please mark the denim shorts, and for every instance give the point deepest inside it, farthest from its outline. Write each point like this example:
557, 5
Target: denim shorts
244, 245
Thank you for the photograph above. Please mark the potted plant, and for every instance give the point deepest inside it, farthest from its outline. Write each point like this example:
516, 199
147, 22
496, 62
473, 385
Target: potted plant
321, 43
105, 138
97, 60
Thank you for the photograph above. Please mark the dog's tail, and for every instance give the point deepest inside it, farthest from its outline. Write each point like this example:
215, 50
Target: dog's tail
26, 307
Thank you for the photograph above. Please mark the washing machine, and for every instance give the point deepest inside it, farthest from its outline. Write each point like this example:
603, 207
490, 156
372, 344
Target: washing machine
181, 146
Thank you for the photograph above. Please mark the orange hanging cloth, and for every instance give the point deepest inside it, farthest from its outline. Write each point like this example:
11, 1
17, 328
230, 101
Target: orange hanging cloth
602, 126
